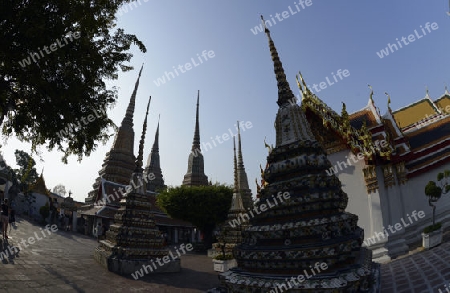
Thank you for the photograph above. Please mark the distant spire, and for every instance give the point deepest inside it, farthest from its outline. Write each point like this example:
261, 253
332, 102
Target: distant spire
236, 202
236, 182
240, 158
141, 142
155, 147
284, 91
196, 142
195, 175
128, 119
446, 91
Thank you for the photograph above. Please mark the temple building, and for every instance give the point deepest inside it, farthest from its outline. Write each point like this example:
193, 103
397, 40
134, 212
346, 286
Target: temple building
244, 190
384, 163
134, 241
195, 175
302, 240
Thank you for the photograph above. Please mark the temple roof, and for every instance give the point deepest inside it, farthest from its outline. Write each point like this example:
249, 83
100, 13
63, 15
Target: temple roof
444, 102
39, 186
430, 134
415, 112
357, 118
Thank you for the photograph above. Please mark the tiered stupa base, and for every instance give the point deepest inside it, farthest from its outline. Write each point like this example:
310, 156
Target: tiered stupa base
134, 243
363, 276
127, 266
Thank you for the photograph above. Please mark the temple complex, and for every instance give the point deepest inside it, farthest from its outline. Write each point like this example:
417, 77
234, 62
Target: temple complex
244, 190
302, 240
153, 168
109, 189
384, 163
195, 175
134, 241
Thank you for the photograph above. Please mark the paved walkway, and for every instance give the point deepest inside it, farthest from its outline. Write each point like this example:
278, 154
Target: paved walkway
63, 262
423, 272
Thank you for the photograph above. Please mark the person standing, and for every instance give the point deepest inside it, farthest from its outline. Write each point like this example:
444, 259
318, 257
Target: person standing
5, 218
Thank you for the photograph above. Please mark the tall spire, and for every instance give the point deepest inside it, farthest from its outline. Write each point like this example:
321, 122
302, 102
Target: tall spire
284, 91
291, 124
141, 142
236, 203
128, 119
119, 163
155, 147
236, 181
196, 142
153, 169
244, 189
195, 175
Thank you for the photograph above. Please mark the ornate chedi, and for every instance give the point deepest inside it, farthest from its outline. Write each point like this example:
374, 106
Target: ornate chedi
153, 170
231, 231
195, 174
304, 241
134, 242
244, 190
118, 164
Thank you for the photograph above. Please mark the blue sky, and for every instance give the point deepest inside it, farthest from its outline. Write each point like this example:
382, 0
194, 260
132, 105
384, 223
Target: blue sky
238, 83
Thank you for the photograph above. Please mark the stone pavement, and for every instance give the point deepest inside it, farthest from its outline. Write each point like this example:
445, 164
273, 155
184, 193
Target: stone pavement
423, 272
64, 262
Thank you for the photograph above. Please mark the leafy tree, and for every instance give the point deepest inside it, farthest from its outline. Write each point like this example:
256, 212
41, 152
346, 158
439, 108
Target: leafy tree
435, 190
203, 206
60, 189
54, 58
26, 174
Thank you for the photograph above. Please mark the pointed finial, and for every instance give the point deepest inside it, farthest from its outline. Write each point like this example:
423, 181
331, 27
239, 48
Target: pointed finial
266, 30
371, 92
240, 158
426, 90
196, 142
130, 109
299, 85
389, 101
446, 90
236, 182
141, 142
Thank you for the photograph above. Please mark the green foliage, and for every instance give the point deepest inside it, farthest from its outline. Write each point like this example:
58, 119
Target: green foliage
223, 257
432, 228
432, 190
44, 211
203, 206
26, 174
43, 101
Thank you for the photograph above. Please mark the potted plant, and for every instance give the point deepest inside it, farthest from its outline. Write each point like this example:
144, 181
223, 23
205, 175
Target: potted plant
223, 262
432, 235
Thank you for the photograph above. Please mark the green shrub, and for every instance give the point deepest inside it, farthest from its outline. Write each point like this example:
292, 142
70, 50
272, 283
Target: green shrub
432, 228
222, 257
